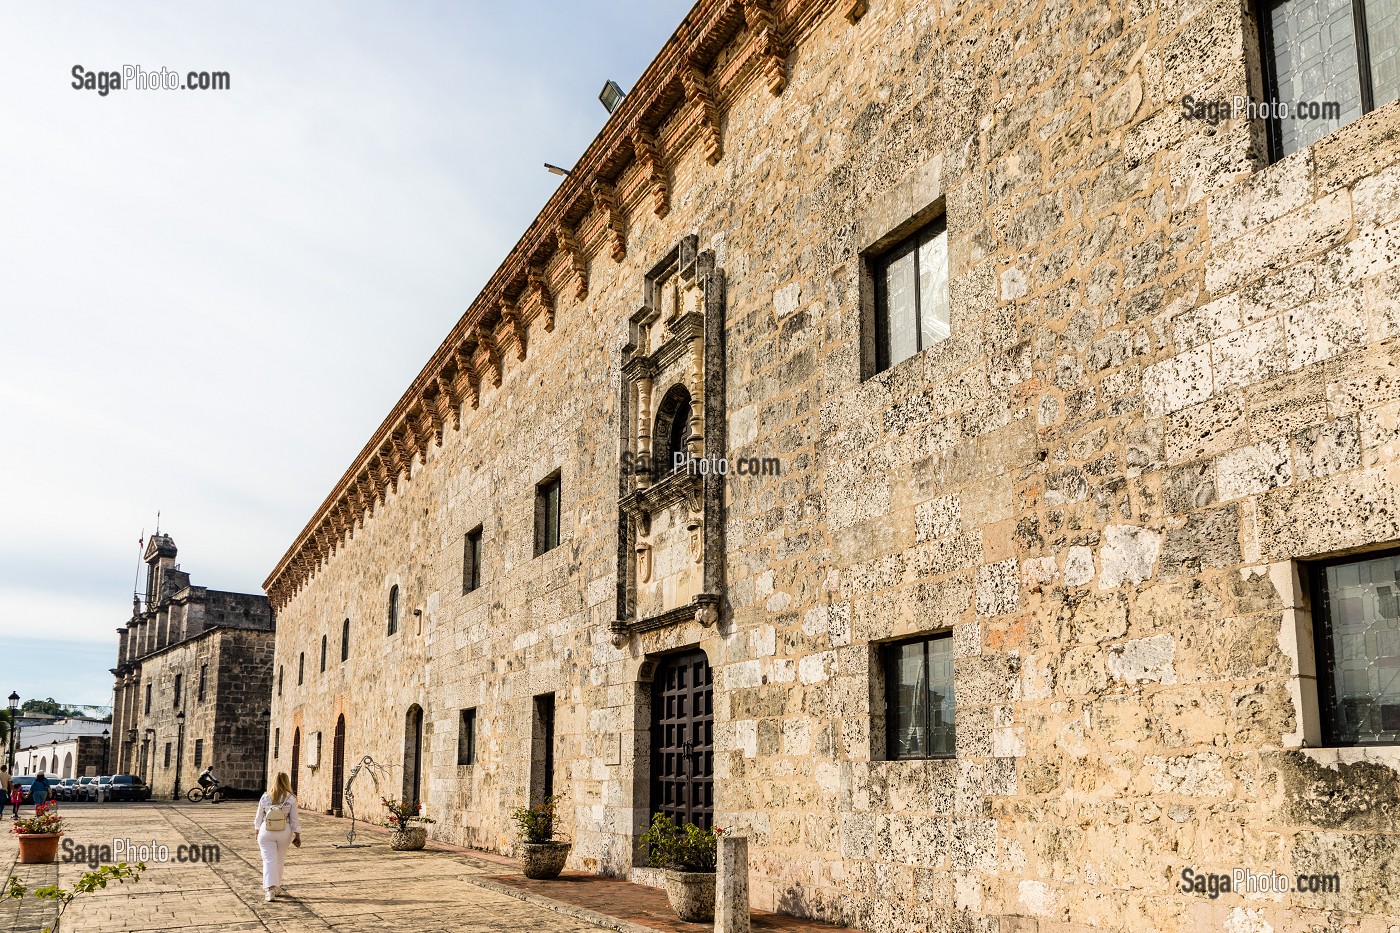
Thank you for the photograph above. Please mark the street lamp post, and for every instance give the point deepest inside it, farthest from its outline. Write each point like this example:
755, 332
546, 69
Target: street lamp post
106, 749
179, 751
14, 726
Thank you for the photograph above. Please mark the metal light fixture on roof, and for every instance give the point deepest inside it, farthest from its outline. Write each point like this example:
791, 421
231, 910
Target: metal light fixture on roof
557, 170
611, 95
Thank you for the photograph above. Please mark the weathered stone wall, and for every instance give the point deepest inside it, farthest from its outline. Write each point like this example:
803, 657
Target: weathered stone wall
1173, 372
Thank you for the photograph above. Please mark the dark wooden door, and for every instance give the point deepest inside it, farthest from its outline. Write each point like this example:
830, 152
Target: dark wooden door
338, 768
682, 739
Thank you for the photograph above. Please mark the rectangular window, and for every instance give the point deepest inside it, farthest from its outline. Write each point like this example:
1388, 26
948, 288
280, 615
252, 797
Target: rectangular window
911, 296
199, 753
1358, 647
919, 710
466, 738
276, 742
323, 654
167, 754
203, 676
1329, 62
547, 515
301, 668
471, 560
176, 703
148, 699
279, 680
345, 641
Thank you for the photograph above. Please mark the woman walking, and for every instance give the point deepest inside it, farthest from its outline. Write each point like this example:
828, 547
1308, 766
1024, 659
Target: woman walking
277, 826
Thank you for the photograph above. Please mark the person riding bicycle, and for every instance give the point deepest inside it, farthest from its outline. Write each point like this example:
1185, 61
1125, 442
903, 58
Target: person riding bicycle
207, 779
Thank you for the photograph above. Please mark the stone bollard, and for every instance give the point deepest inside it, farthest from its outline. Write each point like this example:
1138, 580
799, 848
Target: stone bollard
732, 885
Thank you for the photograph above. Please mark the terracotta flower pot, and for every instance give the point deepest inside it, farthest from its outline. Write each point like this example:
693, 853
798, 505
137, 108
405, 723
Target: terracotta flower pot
38, 847
542, 860
410, 839
692, 894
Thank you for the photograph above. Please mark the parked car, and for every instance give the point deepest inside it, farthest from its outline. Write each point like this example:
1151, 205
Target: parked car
65, 789
101, 790
128, 787
84, 789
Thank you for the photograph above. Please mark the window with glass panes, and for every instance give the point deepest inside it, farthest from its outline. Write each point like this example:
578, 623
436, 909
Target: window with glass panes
919, 713
1324, 52
1358, 646
911, 296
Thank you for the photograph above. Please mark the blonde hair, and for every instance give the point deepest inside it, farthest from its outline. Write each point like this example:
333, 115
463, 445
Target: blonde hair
281, 788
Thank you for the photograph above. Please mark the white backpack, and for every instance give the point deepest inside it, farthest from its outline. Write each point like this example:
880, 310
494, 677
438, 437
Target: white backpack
276, 819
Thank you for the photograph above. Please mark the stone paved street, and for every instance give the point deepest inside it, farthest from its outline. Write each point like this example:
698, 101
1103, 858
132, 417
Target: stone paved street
369, 889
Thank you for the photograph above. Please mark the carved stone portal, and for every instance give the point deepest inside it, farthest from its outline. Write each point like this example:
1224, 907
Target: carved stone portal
670, 552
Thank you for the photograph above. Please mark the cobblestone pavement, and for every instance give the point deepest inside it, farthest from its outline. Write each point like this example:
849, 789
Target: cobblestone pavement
349, 890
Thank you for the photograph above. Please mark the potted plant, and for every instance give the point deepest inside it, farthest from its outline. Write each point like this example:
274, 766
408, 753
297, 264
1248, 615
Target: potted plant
688, 856
402, 816
38, 834
541, 855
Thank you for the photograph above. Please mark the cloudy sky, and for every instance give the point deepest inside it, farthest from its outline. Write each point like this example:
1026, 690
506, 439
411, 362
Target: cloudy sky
209, 299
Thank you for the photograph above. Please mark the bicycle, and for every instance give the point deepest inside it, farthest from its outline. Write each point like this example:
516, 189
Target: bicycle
213, 793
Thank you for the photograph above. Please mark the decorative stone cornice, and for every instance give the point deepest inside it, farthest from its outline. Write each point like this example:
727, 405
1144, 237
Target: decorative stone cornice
768, 43
649, 157
568, 244
720, 49
605, 198
541, 298
698, 93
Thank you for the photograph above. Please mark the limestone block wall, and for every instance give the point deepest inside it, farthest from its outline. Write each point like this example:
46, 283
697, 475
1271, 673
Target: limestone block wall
1172, 376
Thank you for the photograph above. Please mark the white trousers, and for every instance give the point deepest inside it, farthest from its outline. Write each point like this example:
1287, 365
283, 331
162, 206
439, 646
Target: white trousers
274, 855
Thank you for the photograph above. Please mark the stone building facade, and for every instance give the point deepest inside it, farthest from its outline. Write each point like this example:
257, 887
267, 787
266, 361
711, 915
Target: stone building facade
1070, 573
193, 682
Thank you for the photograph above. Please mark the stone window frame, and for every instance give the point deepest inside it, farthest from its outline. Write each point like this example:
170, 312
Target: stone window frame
471, 559
1298, 642
891, 218
466, 737
543, 544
